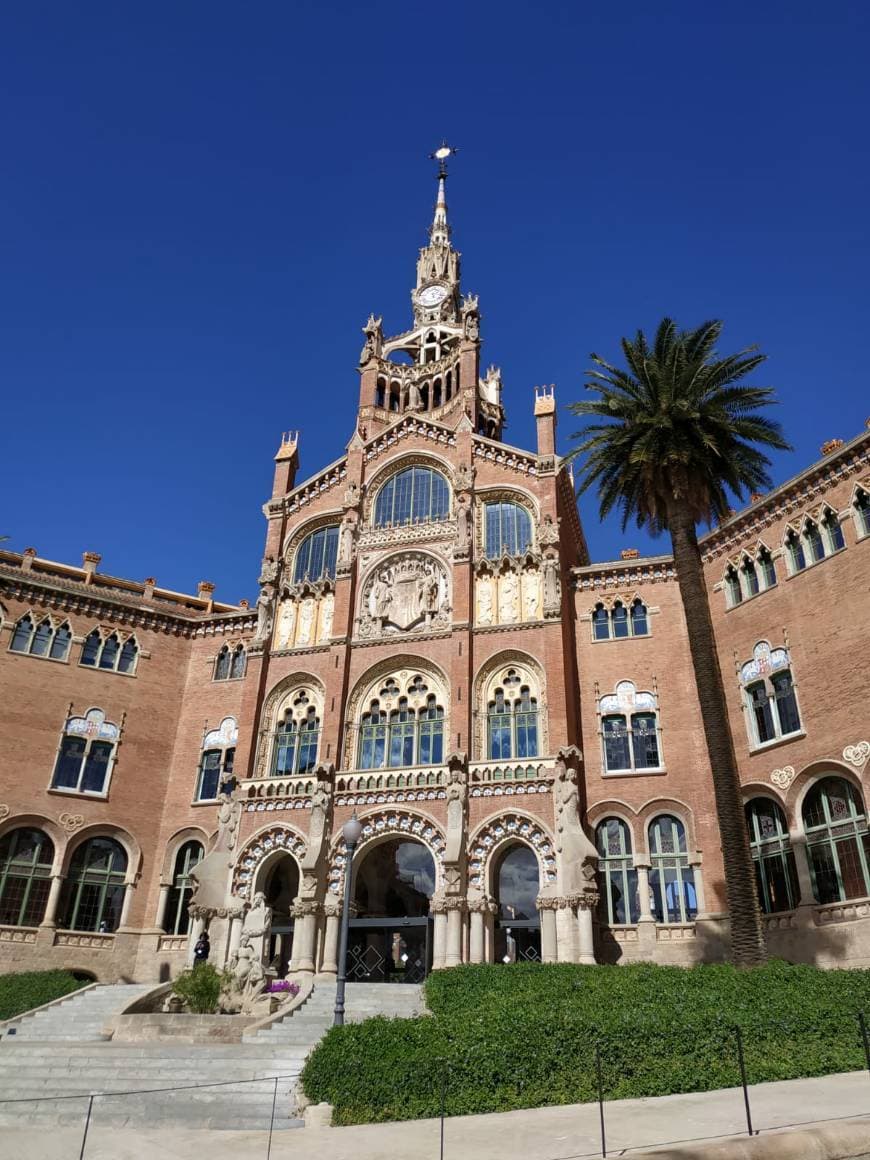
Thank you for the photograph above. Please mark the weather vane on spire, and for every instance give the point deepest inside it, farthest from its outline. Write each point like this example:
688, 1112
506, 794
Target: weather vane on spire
440, 155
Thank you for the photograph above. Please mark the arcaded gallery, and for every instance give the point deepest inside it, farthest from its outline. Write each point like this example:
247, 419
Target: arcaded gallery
515, 726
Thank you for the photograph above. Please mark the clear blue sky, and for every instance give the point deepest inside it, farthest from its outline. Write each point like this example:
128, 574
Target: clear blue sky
200, 203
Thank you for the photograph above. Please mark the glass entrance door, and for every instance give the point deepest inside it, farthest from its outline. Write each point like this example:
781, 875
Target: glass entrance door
393, 951
518, 941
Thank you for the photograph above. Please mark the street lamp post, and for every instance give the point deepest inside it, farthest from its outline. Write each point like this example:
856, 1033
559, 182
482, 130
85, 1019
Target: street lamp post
351, 831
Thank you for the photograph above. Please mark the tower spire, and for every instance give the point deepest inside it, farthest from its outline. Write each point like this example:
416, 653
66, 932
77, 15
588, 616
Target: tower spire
439, 231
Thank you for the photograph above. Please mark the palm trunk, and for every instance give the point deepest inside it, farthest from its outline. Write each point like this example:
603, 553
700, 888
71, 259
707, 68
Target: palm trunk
747, 933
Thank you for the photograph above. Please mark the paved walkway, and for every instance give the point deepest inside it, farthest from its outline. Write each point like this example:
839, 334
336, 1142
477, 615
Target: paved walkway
564, 1133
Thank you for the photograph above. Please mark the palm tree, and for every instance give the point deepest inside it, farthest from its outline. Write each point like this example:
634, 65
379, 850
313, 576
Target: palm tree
681, 431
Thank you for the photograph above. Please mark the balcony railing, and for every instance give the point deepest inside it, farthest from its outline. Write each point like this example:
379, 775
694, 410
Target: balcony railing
510, 778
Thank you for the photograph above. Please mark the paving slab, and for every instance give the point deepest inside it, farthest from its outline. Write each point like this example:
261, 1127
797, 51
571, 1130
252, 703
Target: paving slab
570, 1132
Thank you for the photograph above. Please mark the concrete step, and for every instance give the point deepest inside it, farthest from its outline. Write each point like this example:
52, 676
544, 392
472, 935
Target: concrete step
81, 1015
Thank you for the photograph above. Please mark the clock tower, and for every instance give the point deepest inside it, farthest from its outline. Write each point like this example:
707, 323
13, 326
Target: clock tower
433, 368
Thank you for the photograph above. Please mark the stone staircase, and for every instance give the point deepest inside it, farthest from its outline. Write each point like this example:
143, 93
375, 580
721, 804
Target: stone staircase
80, 1017
61, 1053
362, 1001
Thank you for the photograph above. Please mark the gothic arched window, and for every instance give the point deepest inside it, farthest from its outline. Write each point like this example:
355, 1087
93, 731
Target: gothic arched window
770, 697
775, 873
217, 759
26, 857
832, 531
403, 726
618, 901
794, 548
176, 920
417, 495
317, 554
507, 530
629, 730
671, 879
861, 508
108, 653
512, 720
767, 567
835, 823
230, 663
86, 754
95, 886
296, 740
42, 639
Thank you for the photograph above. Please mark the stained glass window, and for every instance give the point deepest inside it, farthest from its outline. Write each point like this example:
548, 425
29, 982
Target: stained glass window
838, 842
95, 886
414, 496
618, 898
317, 555
507, 530
176, 919
775, 873
26, 857
671, 879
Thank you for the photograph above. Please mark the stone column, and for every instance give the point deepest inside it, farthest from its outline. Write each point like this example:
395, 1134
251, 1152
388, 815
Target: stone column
126, 904
700, 898
196, 929
798, 842
438, 908
549, 942
161, 905
643, 898
480, 939
584, 923
236, 924
453, 955
50, 916
332, 910
304, 935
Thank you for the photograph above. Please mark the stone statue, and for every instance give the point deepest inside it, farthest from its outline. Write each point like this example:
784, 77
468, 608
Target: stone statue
327, 611
531, 592
259, 917
374, 343
508, 598
268, 570
472, 327
382, 595
264, 606
429, 594
457, 803
463, 527
229, 816
414, 399
578, 857
552, 584
484, 600
351, 494
464, 477
321, 812
548, 532
306, 621
286, 624
345, 542
247, 979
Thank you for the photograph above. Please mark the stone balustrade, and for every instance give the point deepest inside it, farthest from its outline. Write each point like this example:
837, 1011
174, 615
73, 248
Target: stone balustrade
17, 934
91, 939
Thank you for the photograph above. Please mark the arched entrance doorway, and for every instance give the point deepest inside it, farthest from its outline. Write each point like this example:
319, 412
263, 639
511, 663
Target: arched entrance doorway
390, 937
518, 923
281, 886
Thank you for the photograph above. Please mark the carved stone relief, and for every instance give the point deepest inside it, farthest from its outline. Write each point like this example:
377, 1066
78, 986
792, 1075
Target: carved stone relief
409, 592
305, 615
510, 592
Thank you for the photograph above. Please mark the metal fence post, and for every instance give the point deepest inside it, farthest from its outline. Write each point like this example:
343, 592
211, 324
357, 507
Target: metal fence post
272, 1120
87, 1125
444, 1077
862, 1023
600, 1100
742, 1063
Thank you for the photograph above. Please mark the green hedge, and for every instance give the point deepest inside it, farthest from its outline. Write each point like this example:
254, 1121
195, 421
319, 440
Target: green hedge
31, 989
504, 1037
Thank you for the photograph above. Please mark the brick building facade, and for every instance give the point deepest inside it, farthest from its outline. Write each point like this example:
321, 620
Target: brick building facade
515, 726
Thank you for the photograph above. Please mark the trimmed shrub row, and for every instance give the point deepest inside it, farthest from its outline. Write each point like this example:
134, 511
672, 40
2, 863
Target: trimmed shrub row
505, 1037
29, 989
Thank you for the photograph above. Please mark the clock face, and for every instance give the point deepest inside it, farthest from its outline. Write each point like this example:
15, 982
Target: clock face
432, 296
